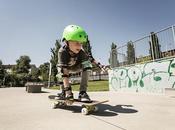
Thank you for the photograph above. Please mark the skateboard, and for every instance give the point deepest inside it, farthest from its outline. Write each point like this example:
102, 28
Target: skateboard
87, 107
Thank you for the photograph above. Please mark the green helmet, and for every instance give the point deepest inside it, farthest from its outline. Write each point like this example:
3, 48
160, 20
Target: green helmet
74, 33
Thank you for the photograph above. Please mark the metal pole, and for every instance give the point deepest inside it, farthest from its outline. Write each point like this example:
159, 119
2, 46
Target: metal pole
173, 33
135, 53
122, 57
50, 71
152, 47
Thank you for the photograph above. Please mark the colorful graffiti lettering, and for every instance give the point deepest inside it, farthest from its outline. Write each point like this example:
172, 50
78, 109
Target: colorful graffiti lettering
149, 77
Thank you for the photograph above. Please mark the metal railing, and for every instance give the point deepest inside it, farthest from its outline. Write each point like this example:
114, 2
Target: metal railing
155, 46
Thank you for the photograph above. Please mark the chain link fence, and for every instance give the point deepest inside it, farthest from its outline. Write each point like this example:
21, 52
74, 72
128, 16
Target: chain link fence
155, 46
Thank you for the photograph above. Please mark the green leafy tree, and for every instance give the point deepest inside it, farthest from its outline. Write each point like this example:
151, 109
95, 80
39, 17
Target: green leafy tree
23, 64
34, 74
130, 53
44, 71
11, 80
5, 78
113, 60
54, 59
21, 71
155, 50
87, 47
2, 74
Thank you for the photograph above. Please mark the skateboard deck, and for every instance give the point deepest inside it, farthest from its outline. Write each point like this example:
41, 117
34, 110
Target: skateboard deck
87, 107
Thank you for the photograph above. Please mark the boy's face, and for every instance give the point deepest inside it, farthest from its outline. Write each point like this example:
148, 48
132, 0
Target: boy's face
75, 46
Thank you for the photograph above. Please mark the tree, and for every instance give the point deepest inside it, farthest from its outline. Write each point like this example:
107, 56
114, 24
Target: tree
54, 59
34, 74
2, 74
113, 60
21, 71
87, 47
130, 53
44, 71
5, 78
155, 51
23, 64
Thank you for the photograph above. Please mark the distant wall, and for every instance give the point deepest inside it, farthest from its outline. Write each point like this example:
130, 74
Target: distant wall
149, 77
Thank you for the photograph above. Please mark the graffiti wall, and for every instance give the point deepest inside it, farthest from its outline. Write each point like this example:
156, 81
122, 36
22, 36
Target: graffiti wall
151, 77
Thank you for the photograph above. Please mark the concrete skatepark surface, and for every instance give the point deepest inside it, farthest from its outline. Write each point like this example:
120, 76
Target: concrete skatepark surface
20, 110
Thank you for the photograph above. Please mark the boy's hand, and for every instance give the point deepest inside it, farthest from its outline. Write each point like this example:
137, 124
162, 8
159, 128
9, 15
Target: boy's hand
102, 67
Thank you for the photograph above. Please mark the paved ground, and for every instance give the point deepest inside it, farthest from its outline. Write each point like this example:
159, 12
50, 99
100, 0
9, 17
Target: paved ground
26, 111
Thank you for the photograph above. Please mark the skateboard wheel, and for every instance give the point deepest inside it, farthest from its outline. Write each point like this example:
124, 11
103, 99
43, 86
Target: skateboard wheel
84, 111
69, 102
54, 106
96, 109
61, 104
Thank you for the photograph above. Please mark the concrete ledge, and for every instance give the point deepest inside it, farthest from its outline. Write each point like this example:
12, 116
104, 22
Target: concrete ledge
172, 89
34, 87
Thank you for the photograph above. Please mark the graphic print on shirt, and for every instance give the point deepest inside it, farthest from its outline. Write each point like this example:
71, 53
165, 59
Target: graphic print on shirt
72, 61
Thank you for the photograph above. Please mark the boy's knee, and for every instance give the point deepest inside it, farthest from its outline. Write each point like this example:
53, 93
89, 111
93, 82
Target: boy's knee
86, 65
64, 72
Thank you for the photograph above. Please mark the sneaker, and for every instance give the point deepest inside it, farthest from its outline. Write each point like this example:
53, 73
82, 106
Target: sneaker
84, 97
68, 93
69, 96
61, 95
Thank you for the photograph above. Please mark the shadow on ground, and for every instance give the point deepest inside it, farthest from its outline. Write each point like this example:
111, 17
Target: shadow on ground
104, 109
40, 92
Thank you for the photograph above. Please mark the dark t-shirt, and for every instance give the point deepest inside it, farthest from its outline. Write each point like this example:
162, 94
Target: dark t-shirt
65, 59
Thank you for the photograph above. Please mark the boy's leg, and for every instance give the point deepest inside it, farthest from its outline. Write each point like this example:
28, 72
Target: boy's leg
83, 96
86, 65
62, 94
66, 88
84, 81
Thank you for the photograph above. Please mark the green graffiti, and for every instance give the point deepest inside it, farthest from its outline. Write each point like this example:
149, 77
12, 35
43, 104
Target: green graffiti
173, 65
157, 78
121, 73
151, 75
129, 83
141, 83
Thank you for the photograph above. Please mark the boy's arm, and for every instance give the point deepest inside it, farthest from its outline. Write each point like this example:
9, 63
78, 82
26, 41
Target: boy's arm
63, 64
98, 64
65, 77
88, 56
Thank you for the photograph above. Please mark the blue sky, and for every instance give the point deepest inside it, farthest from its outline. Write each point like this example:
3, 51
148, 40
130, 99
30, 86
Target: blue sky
30, 27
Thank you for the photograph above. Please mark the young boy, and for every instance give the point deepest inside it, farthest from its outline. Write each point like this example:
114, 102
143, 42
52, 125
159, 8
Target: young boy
72, 58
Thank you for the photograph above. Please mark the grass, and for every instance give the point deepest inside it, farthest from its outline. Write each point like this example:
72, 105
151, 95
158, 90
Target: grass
93, 86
